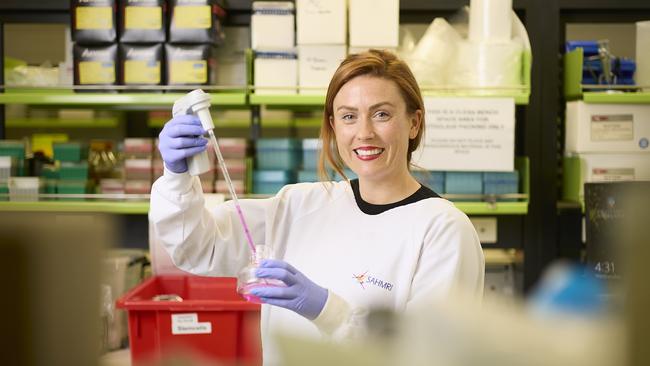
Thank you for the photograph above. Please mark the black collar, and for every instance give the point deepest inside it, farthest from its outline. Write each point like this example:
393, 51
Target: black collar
372, 209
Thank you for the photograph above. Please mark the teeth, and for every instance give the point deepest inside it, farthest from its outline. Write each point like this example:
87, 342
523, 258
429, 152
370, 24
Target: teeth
368, 152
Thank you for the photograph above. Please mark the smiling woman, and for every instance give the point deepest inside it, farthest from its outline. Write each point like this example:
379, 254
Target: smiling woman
341, 248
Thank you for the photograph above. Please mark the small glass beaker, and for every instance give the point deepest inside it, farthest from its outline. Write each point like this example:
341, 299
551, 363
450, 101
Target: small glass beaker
246, 279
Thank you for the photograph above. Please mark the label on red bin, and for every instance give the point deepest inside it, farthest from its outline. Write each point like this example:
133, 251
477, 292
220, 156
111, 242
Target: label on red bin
189, 324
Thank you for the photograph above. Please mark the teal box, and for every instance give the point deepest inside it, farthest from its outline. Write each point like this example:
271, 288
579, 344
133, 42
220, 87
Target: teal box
4, 192
50, 172
16, 150
70, 151
73, 186
73, 171
348, 173
278, 154
310, 151
431, 179
271, 181
501, 183
464, 183
305, 176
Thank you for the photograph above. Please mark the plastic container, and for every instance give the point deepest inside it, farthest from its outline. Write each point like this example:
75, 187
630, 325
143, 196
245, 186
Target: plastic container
281, 154
6, 168
212, 322
310, 150
70, 151
24, 188
501, 183
73, 171
433, 180
464, 183
271, 181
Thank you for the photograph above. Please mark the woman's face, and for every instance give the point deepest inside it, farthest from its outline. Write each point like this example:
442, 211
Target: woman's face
373, 128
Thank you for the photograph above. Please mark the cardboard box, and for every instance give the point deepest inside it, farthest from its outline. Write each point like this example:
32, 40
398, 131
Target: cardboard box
607, 128
313, 16
272, 25
316, 65
275, 70
611, 168
374, 23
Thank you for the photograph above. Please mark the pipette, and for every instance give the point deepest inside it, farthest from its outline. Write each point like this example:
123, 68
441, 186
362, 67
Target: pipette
198, 102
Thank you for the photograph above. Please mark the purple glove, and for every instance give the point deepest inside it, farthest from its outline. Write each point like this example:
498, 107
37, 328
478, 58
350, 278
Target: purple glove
179, 139
301, 294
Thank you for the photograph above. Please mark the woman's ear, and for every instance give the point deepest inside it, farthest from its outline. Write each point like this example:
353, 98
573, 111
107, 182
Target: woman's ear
331, 119
416, 123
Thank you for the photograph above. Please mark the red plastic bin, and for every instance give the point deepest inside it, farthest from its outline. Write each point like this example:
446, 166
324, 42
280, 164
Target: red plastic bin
212, 323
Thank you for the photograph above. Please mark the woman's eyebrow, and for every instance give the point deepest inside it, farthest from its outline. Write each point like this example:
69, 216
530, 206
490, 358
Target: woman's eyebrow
374, 106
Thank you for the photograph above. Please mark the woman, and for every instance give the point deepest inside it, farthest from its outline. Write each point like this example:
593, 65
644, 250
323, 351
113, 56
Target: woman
383, 240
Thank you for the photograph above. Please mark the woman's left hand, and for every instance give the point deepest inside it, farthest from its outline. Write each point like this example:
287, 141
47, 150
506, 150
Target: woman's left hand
301, 294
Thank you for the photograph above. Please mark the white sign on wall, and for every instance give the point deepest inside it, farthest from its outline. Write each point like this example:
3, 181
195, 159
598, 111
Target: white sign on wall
468, 134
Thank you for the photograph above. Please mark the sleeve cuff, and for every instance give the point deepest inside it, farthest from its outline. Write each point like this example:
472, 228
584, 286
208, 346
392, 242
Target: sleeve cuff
335, 313
179, 183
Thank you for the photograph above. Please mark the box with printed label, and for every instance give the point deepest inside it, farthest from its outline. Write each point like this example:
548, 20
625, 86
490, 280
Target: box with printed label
374, 23
93, 21
95, 65
141, 64
313, 16
143, 21
316, 65
272, 25
196, 21
189, 64
600, 128
275, 73
589, 168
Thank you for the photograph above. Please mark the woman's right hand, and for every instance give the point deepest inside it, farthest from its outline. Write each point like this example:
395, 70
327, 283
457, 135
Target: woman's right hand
181, 138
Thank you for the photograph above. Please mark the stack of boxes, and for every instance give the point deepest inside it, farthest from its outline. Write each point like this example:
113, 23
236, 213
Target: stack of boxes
273, 41
138, 167
277, 161
322, 32
12, 157
611, 141
310, 150
72, 175
142, 58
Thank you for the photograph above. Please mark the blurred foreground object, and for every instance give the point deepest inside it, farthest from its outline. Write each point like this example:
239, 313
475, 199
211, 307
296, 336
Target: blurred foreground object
50, 275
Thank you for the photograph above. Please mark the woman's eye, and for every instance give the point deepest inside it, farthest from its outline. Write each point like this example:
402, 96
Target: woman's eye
382, 115
347, 117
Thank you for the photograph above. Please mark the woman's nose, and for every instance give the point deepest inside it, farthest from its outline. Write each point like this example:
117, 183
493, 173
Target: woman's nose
365, 130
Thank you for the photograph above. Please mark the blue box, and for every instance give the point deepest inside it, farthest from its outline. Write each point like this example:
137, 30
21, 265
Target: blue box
501, 183
464, 183
310, 150
308, 176
271, 181
278, 154
433, 180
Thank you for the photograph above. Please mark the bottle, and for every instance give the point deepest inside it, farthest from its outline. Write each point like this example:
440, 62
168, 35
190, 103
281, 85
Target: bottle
246, 279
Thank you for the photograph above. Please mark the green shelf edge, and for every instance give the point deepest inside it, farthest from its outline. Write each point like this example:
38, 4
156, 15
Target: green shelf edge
65, 123
151, 99
469, 208
617, 98
287, 100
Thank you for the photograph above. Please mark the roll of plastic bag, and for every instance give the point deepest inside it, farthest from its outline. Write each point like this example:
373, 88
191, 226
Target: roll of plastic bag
431, 58
490, 20
643, 54
484, 64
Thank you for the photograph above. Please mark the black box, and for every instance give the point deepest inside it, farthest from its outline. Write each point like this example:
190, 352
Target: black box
141, 64
143, 21
196, 21
95, 65
93, 21
189, 64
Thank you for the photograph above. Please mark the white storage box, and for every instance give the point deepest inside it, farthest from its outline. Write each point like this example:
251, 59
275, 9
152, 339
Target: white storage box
607, 128
24, 188
316, 65
612, 168
275, 71
354, 50
374, 23
314, 16
272, 25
